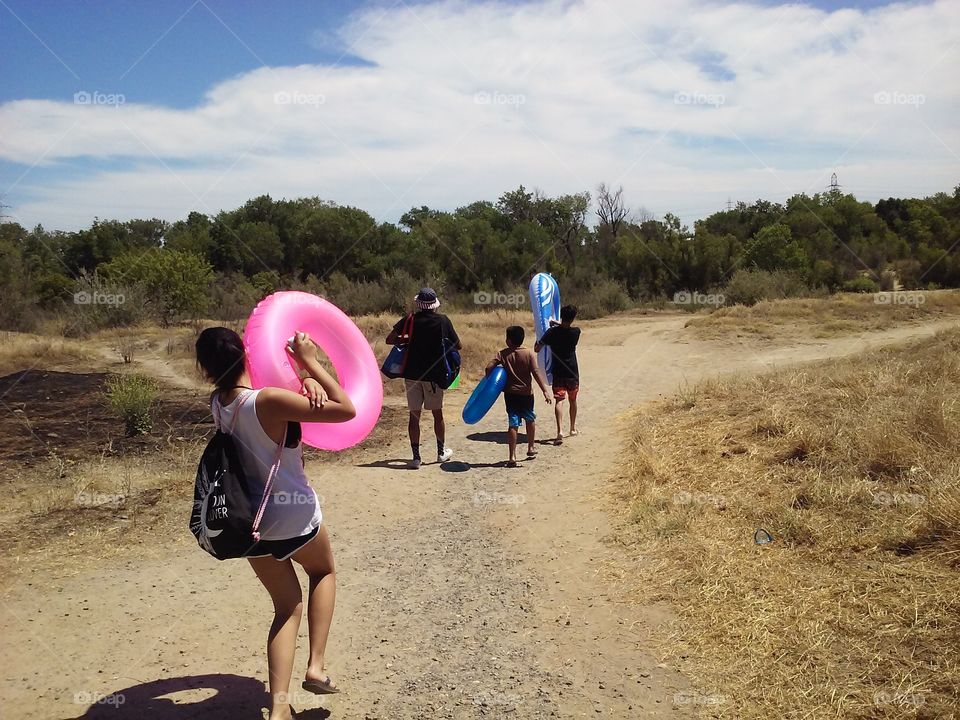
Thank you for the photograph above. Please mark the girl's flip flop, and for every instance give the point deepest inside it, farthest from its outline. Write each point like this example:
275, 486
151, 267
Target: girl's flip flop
320, 687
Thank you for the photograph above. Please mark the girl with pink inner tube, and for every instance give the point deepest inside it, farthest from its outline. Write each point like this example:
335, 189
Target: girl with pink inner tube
293, 530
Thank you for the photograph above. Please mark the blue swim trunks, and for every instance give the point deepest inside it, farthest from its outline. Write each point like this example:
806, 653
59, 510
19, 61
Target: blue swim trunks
519, 409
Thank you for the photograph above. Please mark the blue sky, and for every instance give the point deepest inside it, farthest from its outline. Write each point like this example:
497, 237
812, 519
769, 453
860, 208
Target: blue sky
683, 106
114, 44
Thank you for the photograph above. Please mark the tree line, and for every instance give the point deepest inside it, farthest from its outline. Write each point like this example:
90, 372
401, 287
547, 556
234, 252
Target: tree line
605, 254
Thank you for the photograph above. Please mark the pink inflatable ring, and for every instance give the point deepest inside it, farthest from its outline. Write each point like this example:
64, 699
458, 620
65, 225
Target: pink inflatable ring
275, 320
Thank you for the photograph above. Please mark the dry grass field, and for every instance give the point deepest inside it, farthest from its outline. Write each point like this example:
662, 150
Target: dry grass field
839, 314
852, 466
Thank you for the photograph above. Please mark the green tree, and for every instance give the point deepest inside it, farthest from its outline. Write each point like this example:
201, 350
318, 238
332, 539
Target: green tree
17, 294
337, 238
106, 239
191, 235
259, 246
773, 248
174, 283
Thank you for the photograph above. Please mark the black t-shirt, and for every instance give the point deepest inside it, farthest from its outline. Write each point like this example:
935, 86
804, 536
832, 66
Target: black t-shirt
562, 342
425, 354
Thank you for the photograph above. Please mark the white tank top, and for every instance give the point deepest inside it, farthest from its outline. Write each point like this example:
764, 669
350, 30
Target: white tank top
293, 509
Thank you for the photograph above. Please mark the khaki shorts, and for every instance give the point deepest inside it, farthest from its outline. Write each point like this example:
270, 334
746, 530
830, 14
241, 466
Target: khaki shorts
422, 394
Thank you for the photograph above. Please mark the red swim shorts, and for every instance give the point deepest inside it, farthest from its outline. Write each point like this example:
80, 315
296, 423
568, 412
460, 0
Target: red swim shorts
565, 387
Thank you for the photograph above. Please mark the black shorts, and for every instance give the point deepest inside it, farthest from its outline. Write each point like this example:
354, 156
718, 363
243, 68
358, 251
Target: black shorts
281, 549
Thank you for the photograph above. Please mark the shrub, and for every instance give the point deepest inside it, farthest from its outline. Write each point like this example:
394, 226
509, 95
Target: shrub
594, 295
126, 345
748, 287
861, 285
394, 292
354, 298
95, 304
888, 281
266, 282
132, 397
312, 285
232, 296
399, 288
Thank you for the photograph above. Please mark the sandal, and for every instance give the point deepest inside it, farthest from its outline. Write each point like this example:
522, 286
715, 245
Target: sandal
320, 687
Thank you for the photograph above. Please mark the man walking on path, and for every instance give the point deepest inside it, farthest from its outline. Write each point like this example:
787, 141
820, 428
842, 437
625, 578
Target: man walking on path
425, 372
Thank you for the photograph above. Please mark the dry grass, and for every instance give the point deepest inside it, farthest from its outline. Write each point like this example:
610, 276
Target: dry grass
840, 314
853, 611
19, 351
96, 509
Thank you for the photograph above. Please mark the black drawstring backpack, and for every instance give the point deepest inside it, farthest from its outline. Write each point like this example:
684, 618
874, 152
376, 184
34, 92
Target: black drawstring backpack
225, 520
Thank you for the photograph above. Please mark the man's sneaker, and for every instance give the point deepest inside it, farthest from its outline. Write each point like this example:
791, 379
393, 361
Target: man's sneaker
414, 464
445, 455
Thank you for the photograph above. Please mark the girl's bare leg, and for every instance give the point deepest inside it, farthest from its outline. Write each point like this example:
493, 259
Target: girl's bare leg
316, 557
280, 580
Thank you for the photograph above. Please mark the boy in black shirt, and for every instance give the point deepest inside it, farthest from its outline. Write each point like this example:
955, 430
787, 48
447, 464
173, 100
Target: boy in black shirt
562, 339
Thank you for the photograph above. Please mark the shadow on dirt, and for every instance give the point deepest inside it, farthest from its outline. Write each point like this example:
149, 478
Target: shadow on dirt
234, 698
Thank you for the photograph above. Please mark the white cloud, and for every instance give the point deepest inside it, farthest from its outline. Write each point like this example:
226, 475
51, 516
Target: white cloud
611, 90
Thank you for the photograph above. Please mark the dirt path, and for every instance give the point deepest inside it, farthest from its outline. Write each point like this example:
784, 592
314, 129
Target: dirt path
149, 363
464, 592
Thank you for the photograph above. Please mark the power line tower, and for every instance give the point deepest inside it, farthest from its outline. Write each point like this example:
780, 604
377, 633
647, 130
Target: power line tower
834, 184
729, 204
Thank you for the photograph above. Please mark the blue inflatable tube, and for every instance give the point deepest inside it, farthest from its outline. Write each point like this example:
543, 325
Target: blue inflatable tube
484, 396
545, 303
